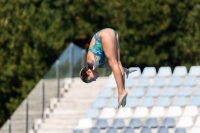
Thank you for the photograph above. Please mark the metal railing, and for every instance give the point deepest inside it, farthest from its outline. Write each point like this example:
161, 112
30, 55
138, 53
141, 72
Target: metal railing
67, 65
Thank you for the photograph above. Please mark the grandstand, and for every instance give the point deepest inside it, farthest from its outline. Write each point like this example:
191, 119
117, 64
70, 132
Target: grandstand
162, 102
158, 102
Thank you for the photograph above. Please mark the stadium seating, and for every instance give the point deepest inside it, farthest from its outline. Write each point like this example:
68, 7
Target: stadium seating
159, 82
132, 102
129, 82
92, 113
190, 81
143, 82
197, 92
84, 123
137, 92
195, 100
163, 130
111, 83
149, 72
163, 102
128, 130
180, 71
135, 123
102, 123
108, 113
169, 91
112, 102
99, 103
118, 123
141, 112
168, 122
157, 112
175, 81
185, 122
191, 111
180, 130
147, 102
194, 71
179, 101
151, 123
174, 111
94, 130
146, 130
106, 93
197, 122
195, 130
185, 91
124, 113
153, 92
78, 131
164, 71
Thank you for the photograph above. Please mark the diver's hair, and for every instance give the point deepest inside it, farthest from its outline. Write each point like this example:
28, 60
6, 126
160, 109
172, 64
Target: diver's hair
83, 75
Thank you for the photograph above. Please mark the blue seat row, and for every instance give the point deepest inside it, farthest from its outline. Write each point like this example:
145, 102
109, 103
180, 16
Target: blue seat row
158, 82
154, 92
148, 101
131, 130
118, 123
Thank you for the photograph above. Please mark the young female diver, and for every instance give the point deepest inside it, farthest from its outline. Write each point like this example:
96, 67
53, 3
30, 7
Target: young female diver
104, 52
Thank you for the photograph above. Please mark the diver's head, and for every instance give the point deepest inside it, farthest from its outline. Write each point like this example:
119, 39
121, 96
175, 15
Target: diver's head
88, 75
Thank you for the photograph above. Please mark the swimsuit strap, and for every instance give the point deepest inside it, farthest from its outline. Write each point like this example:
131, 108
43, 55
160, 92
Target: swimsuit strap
115, 31
97, 36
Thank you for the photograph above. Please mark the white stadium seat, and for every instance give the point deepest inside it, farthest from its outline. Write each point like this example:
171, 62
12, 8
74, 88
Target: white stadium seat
197, 122
194, 71
157, 112
195, 130
141, 112
180, 71
107, 113
185, 122
164, 71
191, 111
84, 123
125, 112
149, 72
174, 111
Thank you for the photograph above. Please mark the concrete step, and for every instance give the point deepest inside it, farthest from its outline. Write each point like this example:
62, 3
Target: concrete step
72, 106
53, 126
54, 121
57, 125
63, 115
54, 131
69, 116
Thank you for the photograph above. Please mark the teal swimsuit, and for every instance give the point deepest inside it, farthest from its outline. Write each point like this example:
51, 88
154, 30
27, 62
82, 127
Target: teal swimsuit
97, 49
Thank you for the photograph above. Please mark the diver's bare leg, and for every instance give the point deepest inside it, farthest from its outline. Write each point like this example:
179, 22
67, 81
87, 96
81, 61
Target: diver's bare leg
109, 46
121, 67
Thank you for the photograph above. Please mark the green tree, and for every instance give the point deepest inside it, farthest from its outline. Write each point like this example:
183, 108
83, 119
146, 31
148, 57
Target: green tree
34, 33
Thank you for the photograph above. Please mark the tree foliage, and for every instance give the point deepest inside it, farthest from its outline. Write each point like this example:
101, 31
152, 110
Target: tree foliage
34, 32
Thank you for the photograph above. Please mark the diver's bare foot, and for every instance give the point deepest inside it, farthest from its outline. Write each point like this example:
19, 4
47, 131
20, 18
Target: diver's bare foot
122, 99
129, 72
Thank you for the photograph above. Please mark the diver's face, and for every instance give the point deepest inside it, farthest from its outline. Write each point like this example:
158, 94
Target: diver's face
92, 75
